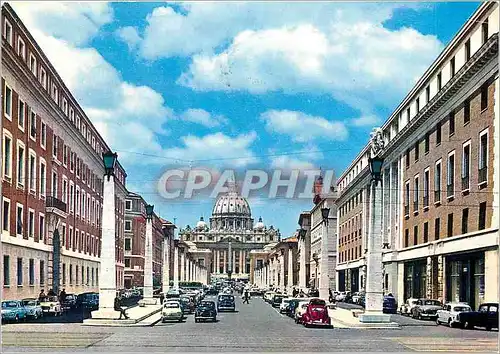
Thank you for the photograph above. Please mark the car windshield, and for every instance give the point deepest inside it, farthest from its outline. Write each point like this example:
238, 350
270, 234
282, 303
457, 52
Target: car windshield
461, 308
226, 298
317, 302
29, 302
431, 302
207, 304
9, 304
50, 299
171, 305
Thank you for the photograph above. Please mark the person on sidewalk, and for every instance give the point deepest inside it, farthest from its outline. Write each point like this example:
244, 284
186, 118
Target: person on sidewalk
246, 297
119, 308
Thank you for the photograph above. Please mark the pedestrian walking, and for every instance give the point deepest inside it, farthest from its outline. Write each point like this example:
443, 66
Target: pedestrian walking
246, 297
62, 296
295, 292
162, 298
42, 295
119, 308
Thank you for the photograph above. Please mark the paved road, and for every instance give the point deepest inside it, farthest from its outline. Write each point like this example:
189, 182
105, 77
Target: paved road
255, 327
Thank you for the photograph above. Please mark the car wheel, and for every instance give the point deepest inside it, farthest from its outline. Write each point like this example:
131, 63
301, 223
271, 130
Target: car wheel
35, 316
488, 328
437, 321
419, 316
467, 325
196, 320
17, 318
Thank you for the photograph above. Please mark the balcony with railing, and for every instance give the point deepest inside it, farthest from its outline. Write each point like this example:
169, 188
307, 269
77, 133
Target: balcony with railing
465, 183
56, 206
483, 175
450, 191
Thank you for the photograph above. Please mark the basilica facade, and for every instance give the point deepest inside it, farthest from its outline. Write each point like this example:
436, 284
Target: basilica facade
229, 236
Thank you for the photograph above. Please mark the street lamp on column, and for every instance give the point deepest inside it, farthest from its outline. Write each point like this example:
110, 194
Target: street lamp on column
375, 164
148, 257
325, 212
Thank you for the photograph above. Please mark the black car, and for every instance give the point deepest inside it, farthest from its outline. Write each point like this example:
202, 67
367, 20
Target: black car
486, 316
88, 301
205, 311
389, 305
225, 302
277, 300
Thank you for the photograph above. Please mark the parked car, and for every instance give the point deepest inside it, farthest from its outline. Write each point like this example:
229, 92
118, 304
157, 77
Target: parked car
426, 308
284, 304
313, 293
187, 304
300, 310
340, 296
406, 308
88, 301
205, 311
389, 305
316, 314
173, 294
69, 301
171, 311
225, 302
292, 305
212, 291
33, 308
13, 310
277, 299
268, 295
51, 305
348, 297
486, 316
355, 297
448, 314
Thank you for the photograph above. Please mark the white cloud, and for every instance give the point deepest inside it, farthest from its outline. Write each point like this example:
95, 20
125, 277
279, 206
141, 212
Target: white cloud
290, 163
362, 64
366, 120
75, 22
200, 116
184, 29
302, 127
130, 36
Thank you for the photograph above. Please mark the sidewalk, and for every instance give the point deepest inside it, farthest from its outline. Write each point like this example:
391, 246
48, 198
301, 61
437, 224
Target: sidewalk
342, 318
138, 316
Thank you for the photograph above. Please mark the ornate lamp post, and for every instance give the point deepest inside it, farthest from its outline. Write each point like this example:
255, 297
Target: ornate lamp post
325, 212
148, 298
107, 271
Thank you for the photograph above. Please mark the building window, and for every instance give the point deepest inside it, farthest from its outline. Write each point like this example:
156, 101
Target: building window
41, 228
415, 193
407, 198
408, 115
7, 156
42, 272
452, 67
439, 81
31, 223
417, 105
43, 78
466, 112
466, 166
484, 31
482, 216
21, 114
407, 237
55, 146
415, 235
450, 188
54, 184
426, 232
32, 271
426, 143
33, 67
55, 93
7, 32
8, 102
484, 97
467, 50
427, 94
450, 225
407, 158
71, 274
32, 125
128, 244
6, 215
76, 275
43, 177
128, 205
127, 262
451, 122
128, 225
6, 270
465, 220
417, 151
43, 135
19, 271
437, 228
32, 173
426, 188
483, 157
19, 220
438, 134
20, 164
64, 273
65, 190
64, 235
65, 106
21, 48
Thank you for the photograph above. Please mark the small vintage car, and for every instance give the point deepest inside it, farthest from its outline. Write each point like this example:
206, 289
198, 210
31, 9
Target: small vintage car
13, 310
316, 314
277, 299
187, 304
88, 301
448, 314
486, 316
51, 305
300, 310
225, 303
171, 311
33, 308
406, 308
69, 301
389, 305
426, 308
205, 311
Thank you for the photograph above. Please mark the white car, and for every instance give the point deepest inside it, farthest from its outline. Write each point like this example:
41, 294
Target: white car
171, 311
300, 310
284, 304
450, 311
340, 296
407, 307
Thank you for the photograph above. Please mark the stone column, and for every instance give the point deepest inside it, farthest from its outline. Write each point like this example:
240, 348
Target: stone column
290, 282
302, 269
374, 276
166, 265
324, 280
224, 257
217, 262
148, 264
183, 266
242, 262
176, 267
283, 278
107, 271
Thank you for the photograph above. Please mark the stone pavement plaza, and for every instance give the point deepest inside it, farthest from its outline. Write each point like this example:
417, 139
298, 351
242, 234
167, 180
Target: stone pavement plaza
254, 328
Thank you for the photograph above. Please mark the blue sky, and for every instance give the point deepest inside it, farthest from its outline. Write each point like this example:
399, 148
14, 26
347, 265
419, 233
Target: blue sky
284, 85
